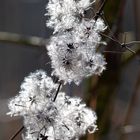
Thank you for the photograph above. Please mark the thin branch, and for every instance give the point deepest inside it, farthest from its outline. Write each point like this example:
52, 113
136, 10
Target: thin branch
123, 45
113, 52
100, 10
17, 39
129, 49
132, 43
16, 134
115, 40
57, 92
98, 14
102, 6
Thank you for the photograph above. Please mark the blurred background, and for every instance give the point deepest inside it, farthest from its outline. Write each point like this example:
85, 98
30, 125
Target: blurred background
114, 95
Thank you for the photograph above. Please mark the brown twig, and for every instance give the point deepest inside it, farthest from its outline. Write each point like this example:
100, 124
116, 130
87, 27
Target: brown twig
100, 10
16, 134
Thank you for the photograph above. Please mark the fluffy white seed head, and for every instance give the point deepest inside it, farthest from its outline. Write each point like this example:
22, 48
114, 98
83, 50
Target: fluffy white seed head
73, 49
74, 54
67, 118
37, 86
65, 14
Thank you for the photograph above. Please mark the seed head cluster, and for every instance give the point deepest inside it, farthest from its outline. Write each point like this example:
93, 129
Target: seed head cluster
73, 48
48, 113
65, 119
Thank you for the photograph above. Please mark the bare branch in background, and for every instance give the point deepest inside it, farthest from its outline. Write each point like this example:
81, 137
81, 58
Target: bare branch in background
17, 39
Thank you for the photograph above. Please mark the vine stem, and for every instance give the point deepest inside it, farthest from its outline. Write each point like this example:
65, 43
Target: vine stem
100, 10
58, 89
102, 6
16, 134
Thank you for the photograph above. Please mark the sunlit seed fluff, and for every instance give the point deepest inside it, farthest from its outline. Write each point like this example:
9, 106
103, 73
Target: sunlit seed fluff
94, 63
66, 60
64, 14
37, 86
88, 31
71, 119
67, 118
72, 55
